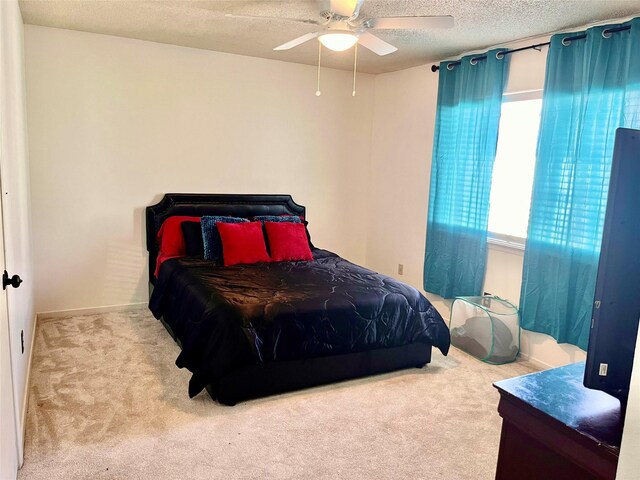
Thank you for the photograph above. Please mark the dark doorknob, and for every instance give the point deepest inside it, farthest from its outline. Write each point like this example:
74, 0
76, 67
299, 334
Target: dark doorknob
14, 281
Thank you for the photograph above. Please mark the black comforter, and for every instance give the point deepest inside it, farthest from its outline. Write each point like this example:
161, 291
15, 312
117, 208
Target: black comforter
230, 316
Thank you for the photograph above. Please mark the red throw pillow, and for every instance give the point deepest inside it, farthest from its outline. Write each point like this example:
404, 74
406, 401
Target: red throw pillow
242, 243
171, 239
288, 241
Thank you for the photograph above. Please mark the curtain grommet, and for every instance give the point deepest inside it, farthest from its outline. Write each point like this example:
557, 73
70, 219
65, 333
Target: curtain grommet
566, 42
499, 55
449, 66
473, 61
606, 33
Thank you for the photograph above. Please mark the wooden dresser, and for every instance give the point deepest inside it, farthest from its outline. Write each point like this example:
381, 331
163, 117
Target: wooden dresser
555, 428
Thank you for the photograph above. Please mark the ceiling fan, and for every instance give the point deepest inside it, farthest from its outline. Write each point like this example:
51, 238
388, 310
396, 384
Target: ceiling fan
342, 27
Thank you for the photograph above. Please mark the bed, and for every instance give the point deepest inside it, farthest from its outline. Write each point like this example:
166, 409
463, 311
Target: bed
249, 331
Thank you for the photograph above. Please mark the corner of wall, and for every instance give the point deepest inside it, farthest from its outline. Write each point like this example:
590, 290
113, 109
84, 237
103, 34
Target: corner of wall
369, 172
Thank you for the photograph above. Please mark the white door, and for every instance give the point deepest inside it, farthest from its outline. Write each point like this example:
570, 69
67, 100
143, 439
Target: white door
8, 432
16, 232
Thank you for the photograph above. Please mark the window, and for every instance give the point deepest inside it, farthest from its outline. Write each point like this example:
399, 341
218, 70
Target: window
514, 168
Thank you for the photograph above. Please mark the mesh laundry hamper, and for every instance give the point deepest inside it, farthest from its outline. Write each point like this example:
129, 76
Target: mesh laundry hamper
486, 327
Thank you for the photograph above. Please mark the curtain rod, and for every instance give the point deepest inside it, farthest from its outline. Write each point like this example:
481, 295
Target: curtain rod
565, 41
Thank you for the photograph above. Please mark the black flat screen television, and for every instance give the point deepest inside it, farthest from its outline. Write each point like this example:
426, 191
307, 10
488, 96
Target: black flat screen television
616, 310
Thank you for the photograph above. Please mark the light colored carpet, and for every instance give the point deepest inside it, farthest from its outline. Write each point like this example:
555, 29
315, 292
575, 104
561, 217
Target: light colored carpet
107, 401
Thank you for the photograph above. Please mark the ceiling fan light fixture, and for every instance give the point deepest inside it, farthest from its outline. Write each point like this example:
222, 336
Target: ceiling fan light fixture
338, 41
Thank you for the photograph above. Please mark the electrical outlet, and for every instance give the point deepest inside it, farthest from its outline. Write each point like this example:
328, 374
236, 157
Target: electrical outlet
22, 340
400, 269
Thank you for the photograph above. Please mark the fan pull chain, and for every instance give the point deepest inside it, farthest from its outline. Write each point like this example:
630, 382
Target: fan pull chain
318, 92
355, 64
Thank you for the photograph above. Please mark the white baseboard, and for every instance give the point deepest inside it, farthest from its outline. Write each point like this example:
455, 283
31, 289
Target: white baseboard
535, 361
91, 310
25, 399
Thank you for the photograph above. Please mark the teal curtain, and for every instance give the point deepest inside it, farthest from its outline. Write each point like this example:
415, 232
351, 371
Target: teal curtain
592, 87
466, 137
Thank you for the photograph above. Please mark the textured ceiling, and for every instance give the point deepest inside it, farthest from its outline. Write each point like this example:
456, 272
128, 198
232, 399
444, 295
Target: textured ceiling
202, 24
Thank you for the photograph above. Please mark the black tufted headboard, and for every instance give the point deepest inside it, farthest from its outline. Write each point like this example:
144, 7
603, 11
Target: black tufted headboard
198, 204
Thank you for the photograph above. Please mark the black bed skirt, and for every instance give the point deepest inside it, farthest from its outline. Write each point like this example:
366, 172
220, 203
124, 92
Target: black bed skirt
261, 380
264, 379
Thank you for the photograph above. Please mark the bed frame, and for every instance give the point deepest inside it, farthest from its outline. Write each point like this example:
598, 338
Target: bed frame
262, 379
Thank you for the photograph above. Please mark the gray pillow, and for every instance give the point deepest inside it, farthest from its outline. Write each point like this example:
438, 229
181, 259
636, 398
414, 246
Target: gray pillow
277, 218
211, 236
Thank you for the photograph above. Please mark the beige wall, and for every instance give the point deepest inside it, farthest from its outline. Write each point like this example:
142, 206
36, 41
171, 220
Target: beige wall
116, 122
402, 142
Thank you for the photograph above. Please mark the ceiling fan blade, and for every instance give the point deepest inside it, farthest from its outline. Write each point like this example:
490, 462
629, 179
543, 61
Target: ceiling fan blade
444, 21
375, 44
297, 41
346, 8
282, 19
